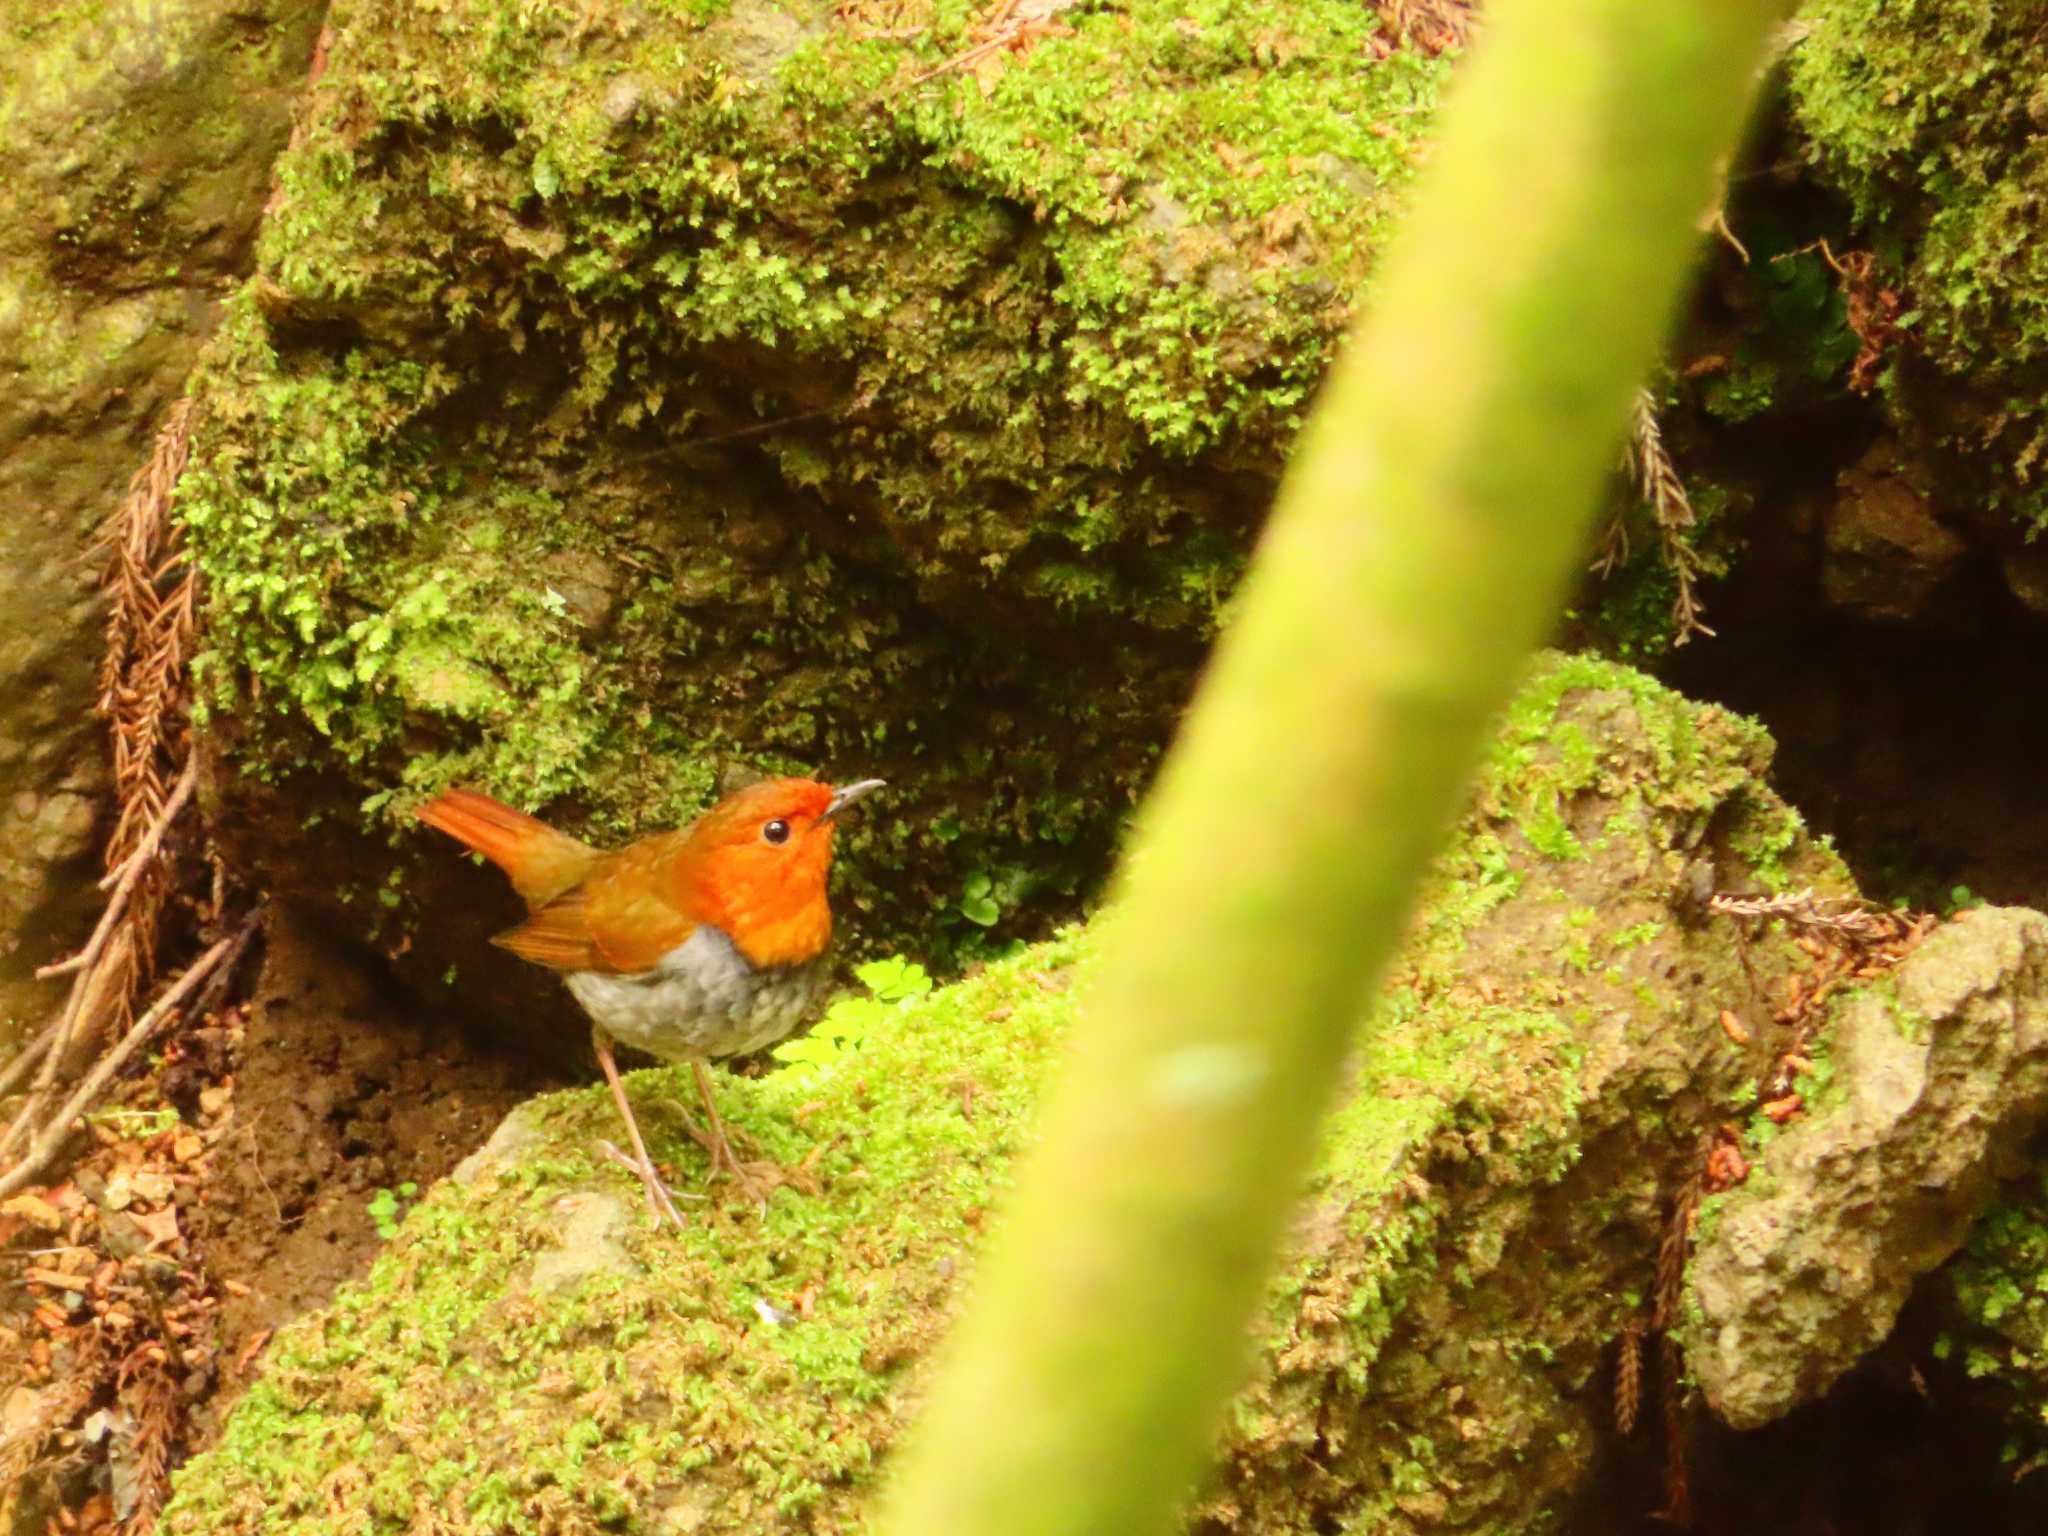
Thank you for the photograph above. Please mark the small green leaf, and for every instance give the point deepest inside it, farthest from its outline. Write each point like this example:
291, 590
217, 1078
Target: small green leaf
980, 910
894, 979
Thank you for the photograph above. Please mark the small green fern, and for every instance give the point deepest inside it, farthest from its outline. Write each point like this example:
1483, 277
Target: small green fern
891, 984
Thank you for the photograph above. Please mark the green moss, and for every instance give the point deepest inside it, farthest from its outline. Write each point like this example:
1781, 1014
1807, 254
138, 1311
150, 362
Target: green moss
1924, 116
1766, 843
1542, 759
770, 1345
1996, 1294
769, 1353
1013, 359
1454, 1074
755, 1368
1641, 933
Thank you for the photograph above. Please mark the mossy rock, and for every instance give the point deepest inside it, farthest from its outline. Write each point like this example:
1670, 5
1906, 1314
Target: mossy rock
1880, 290
1924, 1090
1927, 118
634, 397
530, 1354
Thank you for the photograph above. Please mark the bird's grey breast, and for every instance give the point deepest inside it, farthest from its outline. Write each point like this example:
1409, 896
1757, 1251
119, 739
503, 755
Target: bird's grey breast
704, 998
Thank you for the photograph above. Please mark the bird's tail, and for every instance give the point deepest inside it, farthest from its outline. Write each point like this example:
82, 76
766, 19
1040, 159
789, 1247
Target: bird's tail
542, 862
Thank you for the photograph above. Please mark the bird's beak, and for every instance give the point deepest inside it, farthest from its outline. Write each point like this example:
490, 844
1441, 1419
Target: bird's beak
848, 794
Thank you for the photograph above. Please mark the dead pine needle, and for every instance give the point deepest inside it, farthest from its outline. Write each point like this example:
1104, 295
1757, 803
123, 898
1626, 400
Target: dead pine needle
56, 1405
1677, 1510
1658, 483
153, 1407
151, 613
1847, 916
1434, 26
151, 621
1628, 1378
1673, 1251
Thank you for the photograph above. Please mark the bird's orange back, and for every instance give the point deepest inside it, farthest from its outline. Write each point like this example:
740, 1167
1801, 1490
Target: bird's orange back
754, 866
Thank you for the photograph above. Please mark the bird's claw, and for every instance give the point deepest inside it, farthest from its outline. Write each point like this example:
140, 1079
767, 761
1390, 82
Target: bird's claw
754, 1178
660, 1198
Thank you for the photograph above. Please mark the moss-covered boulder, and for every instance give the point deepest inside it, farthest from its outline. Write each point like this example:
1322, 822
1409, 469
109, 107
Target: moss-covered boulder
1854, 403
531, 1355
137, 140
635, 395
1928, 120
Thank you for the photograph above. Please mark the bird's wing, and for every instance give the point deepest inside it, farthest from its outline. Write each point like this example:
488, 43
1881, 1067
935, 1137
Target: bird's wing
557, 936
619, 920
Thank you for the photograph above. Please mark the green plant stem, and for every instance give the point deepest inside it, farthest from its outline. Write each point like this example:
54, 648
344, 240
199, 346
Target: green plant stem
1435, 507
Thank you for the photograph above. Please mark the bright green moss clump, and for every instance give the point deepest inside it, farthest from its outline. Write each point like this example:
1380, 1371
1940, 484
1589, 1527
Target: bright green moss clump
630, 394
1997, 1293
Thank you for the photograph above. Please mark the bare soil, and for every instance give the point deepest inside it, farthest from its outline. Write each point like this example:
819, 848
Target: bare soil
208, 1202
342, 1088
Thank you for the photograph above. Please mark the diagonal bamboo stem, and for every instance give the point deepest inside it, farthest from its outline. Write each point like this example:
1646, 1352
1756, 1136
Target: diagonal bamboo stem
1435, 507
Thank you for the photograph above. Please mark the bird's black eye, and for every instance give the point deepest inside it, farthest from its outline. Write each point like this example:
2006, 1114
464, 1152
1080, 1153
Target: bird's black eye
776, 831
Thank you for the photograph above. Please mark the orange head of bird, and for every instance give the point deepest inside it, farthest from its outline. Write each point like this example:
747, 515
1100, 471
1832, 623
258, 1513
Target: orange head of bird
755, 866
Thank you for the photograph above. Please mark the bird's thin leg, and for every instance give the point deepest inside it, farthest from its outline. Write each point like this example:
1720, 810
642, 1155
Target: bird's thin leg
716, 1143
658, 1202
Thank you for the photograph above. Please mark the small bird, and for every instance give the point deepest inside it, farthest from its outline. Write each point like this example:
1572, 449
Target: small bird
706, 941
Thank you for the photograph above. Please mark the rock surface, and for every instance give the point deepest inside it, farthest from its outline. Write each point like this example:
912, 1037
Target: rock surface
138, 140
1885, 550
634, 397
1937, 1078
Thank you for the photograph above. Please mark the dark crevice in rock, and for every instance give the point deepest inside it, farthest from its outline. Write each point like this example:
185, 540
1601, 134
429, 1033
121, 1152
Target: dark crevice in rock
1913, 746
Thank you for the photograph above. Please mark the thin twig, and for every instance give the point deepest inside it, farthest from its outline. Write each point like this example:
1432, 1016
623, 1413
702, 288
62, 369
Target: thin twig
86, 995
1011, 22
1834, 914
26, 1057
127, 873
52, 1136
108, 881
94, 978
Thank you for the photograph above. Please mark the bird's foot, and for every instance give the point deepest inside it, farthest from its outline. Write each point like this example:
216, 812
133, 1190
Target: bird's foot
719, 1136
661, 1200
754, 1178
